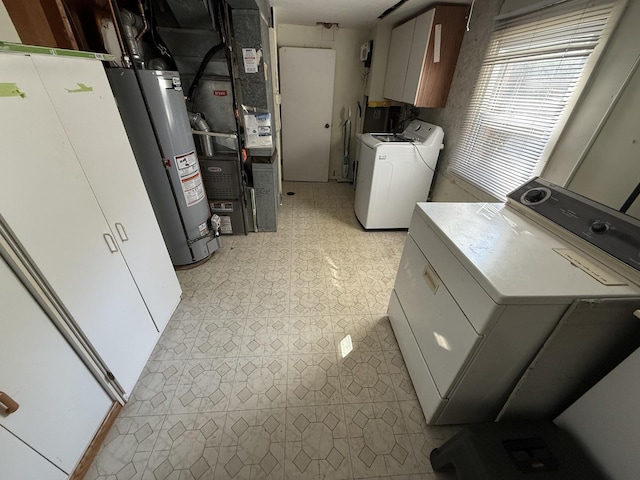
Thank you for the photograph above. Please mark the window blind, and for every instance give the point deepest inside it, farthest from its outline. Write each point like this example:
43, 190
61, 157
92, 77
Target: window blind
531, 72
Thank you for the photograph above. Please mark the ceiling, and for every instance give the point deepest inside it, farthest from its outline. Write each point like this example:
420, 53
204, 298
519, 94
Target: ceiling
347, 13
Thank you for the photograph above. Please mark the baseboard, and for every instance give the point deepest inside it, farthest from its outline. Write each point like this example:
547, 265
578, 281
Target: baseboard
92, 450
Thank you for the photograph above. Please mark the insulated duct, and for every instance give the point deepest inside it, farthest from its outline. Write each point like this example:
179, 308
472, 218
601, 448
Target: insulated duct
131, 25
200, 124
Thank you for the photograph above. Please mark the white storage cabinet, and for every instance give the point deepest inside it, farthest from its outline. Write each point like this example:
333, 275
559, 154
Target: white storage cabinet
73, 197
61, 405
423, 53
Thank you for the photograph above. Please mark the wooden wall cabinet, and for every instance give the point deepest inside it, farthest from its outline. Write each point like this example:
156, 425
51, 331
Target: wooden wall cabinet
422, 56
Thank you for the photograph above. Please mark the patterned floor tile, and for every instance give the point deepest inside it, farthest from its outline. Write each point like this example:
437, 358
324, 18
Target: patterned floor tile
309, 301
155, 388
269, 302
177, 340
378, 439
308, 275
252, 445
186, 312
313, 380
260, 382
317, 445
205, 386
347, 300
318, 324
277, 275
361, 330
187, 447
219, 337
364, 377
385, 333
127, 448
264, 344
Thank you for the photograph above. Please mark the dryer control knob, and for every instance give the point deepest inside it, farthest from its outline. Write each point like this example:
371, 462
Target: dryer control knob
599, 227
535, 195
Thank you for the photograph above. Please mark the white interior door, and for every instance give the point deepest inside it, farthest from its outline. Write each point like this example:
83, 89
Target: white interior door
48, 203
61, 403
103, 149
17, 460
306, 86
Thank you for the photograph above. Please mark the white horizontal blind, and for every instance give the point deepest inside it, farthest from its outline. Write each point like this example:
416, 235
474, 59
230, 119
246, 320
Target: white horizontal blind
532, 68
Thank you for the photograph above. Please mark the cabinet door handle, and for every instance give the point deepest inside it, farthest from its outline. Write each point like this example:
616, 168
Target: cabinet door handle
111, 243
437, 42
9, 403
122, 232
431, 278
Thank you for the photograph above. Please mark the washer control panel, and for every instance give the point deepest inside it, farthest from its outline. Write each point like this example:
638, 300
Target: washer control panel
611, 231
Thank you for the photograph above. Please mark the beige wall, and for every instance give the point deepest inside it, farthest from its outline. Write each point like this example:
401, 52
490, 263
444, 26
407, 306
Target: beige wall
7, 30
381, 36
594, 177
349, 84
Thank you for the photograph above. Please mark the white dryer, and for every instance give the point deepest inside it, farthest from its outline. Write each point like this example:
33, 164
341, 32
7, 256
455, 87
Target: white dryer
394, 172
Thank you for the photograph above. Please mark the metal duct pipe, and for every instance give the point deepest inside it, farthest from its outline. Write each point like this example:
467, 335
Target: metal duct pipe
131, 24
199, 123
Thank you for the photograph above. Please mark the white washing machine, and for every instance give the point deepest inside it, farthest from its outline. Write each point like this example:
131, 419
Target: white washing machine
394, 172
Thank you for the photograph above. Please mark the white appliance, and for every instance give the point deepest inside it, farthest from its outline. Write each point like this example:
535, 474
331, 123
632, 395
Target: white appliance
394, 172
481, 288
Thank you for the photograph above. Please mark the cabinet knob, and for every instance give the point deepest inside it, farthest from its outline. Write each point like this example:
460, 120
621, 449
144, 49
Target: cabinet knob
326, 125
9, 403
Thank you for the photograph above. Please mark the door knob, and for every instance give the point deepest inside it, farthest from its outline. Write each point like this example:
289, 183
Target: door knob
326, 125
9, 403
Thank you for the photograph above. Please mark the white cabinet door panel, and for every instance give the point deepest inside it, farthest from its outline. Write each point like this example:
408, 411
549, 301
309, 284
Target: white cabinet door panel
61, 403
444, 335
48, 203
399, 51
419, 44
18, 461
105, 154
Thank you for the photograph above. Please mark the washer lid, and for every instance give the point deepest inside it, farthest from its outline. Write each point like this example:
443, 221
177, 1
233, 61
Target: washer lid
513, 258
390, 137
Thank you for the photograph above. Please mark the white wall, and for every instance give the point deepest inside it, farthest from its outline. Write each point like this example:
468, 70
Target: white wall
349, 84
611, 169
611, 166
7, 30
606, 421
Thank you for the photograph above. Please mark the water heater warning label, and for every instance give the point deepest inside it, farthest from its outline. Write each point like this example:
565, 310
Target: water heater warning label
190, 178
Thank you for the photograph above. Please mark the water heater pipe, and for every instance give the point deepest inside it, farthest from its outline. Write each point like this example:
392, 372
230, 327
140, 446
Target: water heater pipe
199, 123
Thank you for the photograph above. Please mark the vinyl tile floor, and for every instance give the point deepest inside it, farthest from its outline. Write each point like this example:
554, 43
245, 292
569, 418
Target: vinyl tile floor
280, 362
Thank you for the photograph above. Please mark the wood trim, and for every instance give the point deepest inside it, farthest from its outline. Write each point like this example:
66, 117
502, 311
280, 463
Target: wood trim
436, 78
41, 22
59, 22
96, 442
